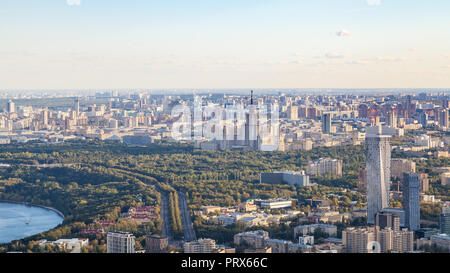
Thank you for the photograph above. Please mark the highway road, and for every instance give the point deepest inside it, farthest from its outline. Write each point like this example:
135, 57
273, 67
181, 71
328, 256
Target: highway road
165, 217
188, 228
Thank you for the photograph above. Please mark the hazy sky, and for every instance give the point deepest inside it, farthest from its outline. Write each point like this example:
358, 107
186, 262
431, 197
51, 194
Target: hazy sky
67, 44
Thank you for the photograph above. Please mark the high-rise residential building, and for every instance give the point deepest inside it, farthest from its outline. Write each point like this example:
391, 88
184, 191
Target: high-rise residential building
326, 123
411, 200
424, 182
364, 240
156, 244
325, 166
378, 163
385, 238
363, 111
77, 107
200, 246
444, 118
399, 166
312, 112
44, 117
293, 112
423, 119
392, 120
11, 107
357, 240
402, 241
120, 242
387, 220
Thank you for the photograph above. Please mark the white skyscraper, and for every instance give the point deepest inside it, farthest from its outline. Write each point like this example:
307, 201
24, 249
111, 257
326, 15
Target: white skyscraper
378, 164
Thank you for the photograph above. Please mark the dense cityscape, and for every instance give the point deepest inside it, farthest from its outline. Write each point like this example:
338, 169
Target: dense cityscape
348, 173
224, 136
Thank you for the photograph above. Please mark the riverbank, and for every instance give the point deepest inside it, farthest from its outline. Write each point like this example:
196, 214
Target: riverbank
37, 206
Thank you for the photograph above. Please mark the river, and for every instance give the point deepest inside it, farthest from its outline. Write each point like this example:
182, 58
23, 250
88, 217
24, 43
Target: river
18, 221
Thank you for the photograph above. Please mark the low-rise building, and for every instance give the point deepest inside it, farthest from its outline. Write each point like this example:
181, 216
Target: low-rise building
274, 203
200, 246
290, 178
254, 239
441, 241
156, 244
331, 230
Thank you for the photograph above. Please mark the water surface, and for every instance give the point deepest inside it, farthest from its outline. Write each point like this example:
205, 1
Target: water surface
14, 219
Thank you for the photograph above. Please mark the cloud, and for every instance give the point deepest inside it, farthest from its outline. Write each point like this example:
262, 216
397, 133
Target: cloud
334, 55
373, 2
386, 59
343, 33
414, 49
73, 2
356, 62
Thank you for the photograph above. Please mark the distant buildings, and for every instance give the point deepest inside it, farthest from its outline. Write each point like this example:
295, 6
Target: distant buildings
424, 182
400, 166
120, 242
326, 123
411, 200
11, 107
259, 242
331, 230
291, 178
293, 112
325, 166
73, 245
444, 118
445, 179
378, 161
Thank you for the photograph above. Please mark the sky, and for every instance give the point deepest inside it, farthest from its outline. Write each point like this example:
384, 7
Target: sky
115, 44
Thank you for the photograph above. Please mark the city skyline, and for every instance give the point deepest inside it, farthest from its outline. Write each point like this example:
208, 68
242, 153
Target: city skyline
91, 44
